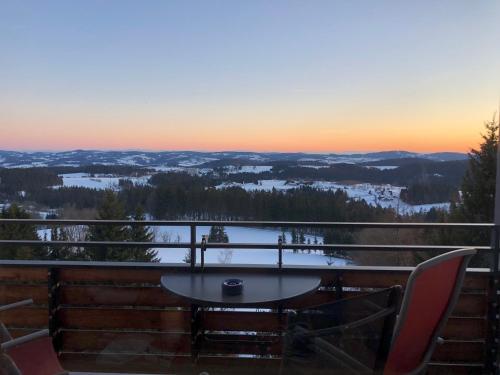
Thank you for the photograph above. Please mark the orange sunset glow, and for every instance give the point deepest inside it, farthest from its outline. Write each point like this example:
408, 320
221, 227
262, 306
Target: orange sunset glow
294, 78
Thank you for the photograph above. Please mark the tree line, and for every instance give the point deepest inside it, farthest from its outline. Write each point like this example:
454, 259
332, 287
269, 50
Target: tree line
111, 208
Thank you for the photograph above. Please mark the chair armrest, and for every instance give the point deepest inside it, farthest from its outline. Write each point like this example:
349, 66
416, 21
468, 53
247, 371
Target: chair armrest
347, 313
351, 325
21, 340
16, 304
351, 335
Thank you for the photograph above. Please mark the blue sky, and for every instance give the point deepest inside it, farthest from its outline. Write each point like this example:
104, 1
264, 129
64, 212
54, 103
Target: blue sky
309, 75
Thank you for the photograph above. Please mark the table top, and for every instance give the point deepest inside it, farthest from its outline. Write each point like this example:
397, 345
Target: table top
258, 288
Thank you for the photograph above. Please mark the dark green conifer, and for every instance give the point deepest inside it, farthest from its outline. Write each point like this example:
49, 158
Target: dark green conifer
141, 233
478, 187
19, 232
110, 209
218, 234
477, 195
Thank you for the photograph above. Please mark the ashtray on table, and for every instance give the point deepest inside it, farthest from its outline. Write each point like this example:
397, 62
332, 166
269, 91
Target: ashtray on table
232, 287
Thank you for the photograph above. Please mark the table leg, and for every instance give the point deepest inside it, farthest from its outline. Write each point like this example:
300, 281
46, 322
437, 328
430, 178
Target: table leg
195, 328
280, 314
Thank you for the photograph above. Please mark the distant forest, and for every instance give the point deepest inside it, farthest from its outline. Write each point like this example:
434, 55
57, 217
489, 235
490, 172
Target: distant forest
426, 181
181, 195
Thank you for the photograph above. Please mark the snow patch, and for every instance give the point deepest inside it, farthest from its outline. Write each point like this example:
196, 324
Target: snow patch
232, 169
99, 182
387, 196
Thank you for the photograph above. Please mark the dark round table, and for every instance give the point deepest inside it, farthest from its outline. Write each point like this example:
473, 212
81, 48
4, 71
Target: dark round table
205, 289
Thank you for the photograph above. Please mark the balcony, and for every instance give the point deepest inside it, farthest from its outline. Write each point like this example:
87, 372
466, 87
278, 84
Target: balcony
115, 317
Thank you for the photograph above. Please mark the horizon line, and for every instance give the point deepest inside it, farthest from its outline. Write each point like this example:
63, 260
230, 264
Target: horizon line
224, 151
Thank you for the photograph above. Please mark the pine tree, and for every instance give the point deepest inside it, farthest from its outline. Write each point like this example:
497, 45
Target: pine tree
141, 233
283, 237
113, 209
218, 234
295, 238
477, 196
19, 232
478, 187
302, 238
110, 209
56, 252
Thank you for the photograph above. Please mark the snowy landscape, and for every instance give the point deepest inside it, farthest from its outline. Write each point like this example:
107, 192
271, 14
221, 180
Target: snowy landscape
17, 159
251, 172
387, 196
235, 256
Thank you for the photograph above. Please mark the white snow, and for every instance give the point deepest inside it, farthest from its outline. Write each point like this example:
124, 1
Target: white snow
314, 166
44, 234
241, 256
164, 168
266, 185
348, 159
32, 165
383, 167
234, 256
308, 159
138, 159
387, 196
422, 208
232, 169
99, 182
256, 158
195, 161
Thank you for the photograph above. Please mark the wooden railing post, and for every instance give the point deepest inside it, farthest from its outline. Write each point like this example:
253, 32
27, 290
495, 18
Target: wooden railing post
53, 304
339, 286
491, 365
193, 246
202, 251
280, 252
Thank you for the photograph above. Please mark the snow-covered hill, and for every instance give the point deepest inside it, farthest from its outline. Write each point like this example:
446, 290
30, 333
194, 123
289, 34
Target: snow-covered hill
15, 159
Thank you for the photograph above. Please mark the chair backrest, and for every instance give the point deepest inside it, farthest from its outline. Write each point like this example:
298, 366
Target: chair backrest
4, 332
431, 293
348, 336
33, 354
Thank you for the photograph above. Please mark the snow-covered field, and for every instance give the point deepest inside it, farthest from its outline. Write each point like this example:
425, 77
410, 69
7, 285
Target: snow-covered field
387, 196
313, 166
247, 169
234, 256
195, 161
265, 185
383, 167
241, 256
99, 182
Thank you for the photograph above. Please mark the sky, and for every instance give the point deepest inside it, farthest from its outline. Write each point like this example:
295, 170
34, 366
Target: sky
260, 75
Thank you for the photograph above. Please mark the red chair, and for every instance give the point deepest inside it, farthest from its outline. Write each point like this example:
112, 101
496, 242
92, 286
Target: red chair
32, 354
431, 294
342, 335
4, 332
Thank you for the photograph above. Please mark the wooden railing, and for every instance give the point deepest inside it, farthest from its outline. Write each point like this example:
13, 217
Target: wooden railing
114, 317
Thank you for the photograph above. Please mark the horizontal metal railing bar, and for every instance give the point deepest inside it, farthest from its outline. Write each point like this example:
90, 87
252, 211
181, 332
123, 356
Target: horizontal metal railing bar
210, 267
247, 246
169, 245
310, 224
349, 247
